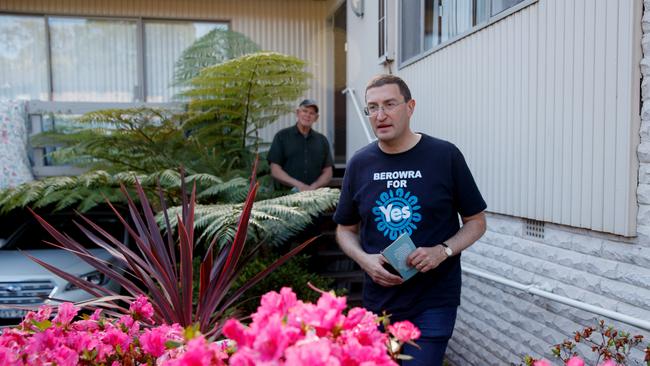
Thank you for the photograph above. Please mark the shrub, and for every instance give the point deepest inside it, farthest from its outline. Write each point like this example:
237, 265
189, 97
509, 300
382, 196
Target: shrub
612, 347
294, 273
284, 331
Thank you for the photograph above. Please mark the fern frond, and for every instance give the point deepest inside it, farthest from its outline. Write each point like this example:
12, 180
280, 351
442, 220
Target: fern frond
213, 48
272, 220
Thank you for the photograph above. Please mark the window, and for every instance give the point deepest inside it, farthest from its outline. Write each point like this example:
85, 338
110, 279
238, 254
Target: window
411, 37
500, 5
23, 58
92, 59
383, 31
427, 24
164, 42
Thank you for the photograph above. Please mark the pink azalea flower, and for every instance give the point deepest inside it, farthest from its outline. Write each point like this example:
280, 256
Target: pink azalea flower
13, 338
275, 303
316, 353
115, 337
271, 340
64, 356
355, 316
243, 359
153, 341
129, 325
404, 331
575, 361
8, 357
609, 362
352, 351
234, 330
81, 341
197, 353
542, 362
141, 308
41, 341
96, 314
85, 325
44, 313
67, 312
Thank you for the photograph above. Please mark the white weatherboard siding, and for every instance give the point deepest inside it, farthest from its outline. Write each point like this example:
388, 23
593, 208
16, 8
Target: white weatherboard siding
544, 104
294, 27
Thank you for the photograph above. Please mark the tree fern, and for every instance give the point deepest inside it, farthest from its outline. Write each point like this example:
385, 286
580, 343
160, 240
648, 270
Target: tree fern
213, 48
248, 92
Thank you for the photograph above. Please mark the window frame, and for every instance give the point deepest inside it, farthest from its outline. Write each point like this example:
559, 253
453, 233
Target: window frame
491, 19
141, 91
382, 27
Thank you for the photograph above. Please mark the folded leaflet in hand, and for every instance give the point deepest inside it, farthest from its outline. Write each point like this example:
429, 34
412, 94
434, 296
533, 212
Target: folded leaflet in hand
397, 253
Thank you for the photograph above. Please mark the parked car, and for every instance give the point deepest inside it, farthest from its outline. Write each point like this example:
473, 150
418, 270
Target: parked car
25, 282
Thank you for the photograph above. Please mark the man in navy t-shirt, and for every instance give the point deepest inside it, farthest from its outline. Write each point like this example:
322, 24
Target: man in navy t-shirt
411, 183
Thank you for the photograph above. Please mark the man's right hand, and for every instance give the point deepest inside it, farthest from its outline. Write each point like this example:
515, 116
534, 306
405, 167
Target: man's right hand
373, 265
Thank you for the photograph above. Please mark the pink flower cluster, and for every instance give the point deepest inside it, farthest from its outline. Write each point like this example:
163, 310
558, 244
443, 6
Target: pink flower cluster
286, 331
91, 340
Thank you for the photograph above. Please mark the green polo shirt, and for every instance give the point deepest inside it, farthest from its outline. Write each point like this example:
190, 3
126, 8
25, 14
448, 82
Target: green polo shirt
302, 157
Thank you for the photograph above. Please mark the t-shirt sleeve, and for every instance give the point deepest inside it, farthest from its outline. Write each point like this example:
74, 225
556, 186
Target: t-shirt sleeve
347, 211
466, 194
276, 154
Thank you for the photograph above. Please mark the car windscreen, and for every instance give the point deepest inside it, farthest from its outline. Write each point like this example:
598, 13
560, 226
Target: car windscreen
31, 235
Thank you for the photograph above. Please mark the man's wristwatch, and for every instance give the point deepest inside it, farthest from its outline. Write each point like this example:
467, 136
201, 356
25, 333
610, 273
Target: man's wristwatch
447, 249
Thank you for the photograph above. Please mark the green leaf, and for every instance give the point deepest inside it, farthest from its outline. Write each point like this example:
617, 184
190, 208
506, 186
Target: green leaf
42, 325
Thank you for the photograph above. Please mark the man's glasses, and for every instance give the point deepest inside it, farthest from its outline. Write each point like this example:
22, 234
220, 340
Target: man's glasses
373, 109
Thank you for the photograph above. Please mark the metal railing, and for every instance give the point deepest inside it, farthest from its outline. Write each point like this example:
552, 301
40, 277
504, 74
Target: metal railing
639, 323
362, 119
39, 113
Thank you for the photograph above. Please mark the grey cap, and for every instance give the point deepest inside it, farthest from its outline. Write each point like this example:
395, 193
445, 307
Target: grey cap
309, 103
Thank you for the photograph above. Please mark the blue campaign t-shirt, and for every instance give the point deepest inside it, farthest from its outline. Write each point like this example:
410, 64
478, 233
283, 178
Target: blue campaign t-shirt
420, 191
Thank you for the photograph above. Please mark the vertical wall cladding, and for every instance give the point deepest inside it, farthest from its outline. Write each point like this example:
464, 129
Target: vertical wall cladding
496, 324
544, 104
295, 27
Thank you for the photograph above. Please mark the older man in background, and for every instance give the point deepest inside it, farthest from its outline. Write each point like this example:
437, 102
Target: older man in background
300, 157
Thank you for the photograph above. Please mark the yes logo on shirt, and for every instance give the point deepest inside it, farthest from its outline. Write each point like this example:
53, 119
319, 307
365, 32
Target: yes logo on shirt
396, 213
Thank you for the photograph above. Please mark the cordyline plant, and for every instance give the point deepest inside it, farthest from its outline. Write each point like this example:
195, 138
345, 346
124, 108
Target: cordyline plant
163, 266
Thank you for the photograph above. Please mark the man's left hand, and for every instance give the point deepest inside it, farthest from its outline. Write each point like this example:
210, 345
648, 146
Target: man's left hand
426, 258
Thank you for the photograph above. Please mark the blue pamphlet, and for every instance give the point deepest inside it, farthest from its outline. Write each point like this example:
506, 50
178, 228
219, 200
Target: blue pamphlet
396, 254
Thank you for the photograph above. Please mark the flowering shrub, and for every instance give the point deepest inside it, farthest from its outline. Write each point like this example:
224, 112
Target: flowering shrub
284, 330
612, 347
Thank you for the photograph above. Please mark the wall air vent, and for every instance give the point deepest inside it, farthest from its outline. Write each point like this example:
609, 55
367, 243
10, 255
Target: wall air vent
534, 229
